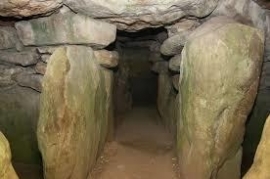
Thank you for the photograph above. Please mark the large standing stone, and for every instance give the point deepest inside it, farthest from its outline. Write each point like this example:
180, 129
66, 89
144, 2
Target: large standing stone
19, 110
25, 8
66, 27
218, 85
133, 15
260, 167
6, 168
74, 113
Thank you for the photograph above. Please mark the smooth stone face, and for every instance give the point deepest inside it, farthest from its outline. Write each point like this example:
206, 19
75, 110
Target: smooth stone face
25, 58
74, 113
174, 63
25, 8
218, 85
8, 37
134, 15
6, 168
260, 166
19, 110
106, 58
66, 27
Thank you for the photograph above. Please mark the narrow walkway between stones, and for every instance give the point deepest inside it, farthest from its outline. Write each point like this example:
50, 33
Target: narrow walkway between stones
142, 149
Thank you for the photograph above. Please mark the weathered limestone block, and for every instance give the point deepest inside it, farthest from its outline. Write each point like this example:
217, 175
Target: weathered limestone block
261, 163
174, 63
74, 113
106, 58
19, 110
66, 27
218, 85
25, 58
134, 15
6, 168
8, 37
25, 8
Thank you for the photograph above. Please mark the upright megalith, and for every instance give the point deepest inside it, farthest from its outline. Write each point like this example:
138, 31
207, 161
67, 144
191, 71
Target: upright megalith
74, 113
6, 168
220, 69
260, 167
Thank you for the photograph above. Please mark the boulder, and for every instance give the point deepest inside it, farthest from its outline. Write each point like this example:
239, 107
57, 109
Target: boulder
134, 15
6, 168
74, 113
25, 8
19, 110
66, 27
8, 37
106, 58
24, 58
174, 63
218, 86
174, 45
261, 163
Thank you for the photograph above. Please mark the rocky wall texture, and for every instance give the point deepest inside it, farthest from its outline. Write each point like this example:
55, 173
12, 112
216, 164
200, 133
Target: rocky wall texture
25, 51
218, 85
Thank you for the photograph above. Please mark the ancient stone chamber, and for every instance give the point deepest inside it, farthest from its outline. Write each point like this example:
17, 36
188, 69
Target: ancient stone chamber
134, 89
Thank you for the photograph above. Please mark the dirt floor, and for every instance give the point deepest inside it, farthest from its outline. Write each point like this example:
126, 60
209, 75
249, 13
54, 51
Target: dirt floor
142, 149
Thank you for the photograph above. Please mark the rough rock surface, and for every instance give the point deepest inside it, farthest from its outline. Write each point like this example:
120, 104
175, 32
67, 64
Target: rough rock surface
8, 37
25, 8
25, 58
137, 14
40, 68
6, 168
29, 80
19, 110
75, 108
174, 45
106, 58
218, 85
175, 81
182, 26
260, 166
174, 63
66, 27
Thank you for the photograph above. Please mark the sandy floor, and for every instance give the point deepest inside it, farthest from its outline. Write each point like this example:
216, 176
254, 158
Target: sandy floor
142, 150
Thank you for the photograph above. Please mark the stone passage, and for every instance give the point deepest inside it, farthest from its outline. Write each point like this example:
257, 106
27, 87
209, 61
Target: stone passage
143, 149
